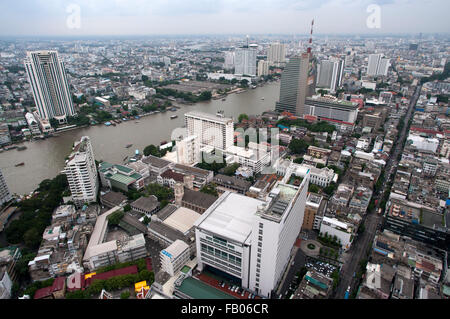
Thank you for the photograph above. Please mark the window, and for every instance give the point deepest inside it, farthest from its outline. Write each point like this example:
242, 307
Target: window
259, 255
259, 250
259, 244
260, 238
260, 232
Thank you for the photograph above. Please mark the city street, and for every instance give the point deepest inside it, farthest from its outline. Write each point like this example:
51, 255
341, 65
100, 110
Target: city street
358, 250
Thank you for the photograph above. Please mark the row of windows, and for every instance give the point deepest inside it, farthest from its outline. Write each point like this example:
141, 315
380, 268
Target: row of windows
221, 254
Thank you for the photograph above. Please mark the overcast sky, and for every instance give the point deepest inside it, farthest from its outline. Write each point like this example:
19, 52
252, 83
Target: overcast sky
150, 17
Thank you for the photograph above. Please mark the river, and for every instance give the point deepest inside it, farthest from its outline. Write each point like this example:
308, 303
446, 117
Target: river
45, 158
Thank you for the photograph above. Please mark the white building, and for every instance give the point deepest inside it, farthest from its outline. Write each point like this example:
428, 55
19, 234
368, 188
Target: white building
251, 239
5, 194
32, 124
81, 173
229, 60
333, 227
188, 150
254, 159
263, 68
423, 143
377, 65
319, 176
48, 80
212, 130
174, 257
276, 54
245, 61
329, 74
5, 284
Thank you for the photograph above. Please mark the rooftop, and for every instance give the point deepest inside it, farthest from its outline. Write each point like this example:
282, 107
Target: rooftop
230, 216
182, 219
197, 289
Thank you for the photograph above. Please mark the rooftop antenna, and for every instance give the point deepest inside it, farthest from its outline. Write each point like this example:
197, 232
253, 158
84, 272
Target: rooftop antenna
310, 39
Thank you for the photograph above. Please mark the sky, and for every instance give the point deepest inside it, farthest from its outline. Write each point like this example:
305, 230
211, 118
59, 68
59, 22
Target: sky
162, 17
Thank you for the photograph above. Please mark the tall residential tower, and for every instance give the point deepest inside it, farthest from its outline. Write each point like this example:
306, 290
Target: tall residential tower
81, 173
48, 80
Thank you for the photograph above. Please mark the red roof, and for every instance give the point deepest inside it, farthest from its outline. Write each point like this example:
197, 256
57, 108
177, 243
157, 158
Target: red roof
169, 174
113, 273
336, 121
58, 285
419, 129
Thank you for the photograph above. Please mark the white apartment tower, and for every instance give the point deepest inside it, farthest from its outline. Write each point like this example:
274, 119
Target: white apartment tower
48, 80
263, 68
329, 74
252, 239
276, 54
377, 65
212, 130
245, 61
5, 195
81, 173
229, 60
188, 150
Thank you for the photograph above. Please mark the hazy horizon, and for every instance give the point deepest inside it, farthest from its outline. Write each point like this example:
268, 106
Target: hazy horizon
55, 18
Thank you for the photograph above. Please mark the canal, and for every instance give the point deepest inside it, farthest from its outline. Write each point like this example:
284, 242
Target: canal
45, 158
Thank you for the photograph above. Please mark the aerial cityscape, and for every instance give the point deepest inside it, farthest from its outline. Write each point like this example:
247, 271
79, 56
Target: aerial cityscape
240, 162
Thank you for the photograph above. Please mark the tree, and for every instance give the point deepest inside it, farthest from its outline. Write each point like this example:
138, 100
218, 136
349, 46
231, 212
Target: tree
32, 238
205, 96
244, 83
298, 146
313, 188
298, 160
230, 170
54, 123
151, 150
242, 117
116, 217
127, 208
210, 189
125, 295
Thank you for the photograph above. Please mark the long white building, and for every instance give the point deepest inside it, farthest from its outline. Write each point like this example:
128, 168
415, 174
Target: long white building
251, 239
48, 80
377, 65
212, 130
81, 173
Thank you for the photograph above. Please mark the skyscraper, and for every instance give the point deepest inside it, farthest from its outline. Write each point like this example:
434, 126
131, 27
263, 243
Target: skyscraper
81, 172
329, 74
263, 68
297, 83
377, 65
5, 195
276, 54
245, 61
48, 80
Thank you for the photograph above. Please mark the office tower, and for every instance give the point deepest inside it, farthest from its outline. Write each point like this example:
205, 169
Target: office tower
212, 130
297, 83
329, 74
276, 54
48, 80
229, 60
251, 239
81, 173
263, 68
245, 61
377, 65
5, 195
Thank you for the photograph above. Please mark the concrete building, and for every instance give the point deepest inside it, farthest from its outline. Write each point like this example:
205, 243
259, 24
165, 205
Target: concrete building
314, 211
245, 61
174, 257
229, 60
5, 195
33, 125
48, 81
377, 65
342, 230
263, 68
212, 130
256, 160
251, 239
276, 54
297, 83
330, 108
329, 74
188, 150
81, 173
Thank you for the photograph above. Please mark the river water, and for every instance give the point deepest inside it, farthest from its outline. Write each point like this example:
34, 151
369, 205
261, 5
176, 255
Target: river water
45, 158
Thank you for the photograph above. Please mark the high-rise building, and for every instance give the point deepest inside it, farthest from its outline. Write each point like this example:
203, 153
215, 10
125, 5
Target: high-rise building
377, 65
263, 68
297, 83
245, 61
81, 173
188, 150
5, 195
229, 60
329, 74
48, 80
252, 239
276, 54
212, 130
